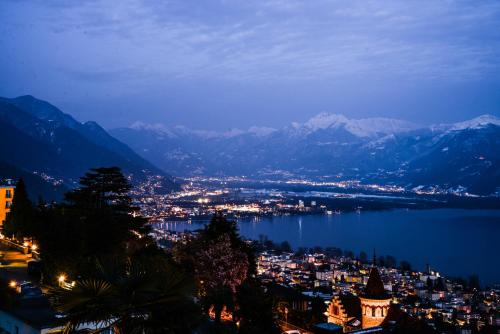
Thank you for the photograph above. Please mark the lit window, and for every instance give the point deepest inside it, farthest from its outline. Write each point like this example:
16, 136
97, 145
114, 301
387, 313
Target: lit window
8, 205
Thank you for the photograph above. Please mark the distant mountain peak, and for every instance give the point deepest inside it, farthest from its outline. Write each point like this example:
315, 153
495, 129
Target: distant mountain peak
365, 127
138, 125
261, 131
325, 120
27, 97
155, 127
179, 130
477, 122
44, 110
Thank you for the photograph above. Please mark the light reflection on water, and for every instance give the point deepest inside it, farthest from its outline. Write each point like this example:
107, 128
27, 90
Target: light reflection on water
454, 241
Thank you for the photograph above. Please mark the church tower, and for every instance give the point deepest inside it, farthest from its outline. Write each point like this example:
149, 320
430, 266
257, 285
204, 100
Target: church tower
375, 301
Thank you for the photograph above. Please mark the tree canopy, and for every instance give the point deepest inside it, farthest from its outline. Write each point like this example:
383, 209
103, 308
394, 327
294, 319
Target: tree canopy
224, 267
122, 279
21, 220
92, 224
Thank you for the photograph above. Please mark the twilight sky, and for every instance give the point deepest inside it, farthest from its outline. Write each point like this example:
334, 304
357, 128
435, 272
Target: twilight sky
222, 64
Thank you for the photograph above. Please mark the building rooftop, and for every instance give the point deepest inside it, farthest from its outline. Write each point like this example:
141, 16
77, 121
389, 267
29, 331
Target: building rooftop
375, 288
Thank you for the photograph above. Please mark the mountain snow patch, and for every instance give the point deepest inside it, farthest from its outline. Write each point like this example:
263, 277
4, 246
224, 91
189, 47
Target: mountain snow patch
477, 123
366, 127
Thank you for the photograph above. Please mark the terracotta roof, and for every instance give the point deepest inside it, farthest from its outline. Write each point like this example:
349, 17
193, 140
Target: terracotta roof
375, 288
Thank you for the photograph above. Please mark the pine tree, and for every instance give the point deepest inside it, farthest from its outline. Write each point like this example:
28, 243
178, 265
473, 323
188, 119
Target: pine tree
102, 205
102, 187
94, 223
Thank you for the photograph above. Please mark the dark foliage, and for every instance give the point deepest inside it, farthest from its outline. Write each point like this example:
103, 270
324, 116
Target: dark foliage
94, 223
122, 279
21, 220
248, 302
255, 310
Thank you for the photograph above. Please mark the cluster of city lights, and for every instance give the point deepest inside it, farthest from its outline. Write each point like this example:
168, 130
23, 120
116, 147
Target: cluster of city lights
33, 246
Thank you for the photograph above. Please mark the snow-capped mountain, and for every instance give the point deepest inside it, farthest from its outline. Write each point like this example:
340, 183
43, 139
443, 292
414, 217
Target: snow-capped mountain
364, 128
477, 123
330, 146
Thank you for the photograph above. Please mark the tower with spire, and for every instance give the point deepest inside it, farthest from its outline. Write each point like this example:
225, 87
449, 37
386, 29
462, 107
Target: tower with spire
371, 306
375, 301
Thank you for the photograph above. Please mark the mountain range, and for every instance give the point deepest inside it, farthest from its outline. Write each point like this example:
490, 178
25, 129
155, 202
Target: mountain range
462, 157
51, 150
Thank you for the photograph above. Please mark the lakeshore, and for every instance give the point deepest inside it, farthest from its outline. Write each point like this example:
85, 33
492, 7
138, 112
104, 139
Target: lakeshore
457, 242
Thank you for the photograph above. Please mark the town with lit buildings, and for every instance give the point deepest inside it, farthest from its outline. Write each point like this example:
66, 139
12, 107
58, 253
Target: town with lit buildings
355, 295
197, 201
239, 198
361, 297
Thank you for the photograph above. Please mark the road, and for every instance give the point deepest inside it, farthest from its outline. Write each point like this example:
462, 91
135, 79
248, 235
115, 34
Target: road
13, 264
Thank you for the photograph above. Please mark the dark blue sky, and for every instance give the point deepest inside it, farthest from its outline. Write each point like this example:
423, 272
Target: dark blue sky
221, 64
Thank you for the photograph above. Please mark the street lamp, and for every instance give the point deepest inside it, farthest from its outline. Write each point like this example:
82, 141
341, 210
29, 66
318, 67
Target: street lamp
34, 247
12, 284
61, 279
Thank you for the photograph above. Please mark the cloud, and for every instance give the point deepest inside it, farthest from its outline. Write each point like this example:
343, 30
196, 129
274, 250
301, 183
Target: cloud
276, 40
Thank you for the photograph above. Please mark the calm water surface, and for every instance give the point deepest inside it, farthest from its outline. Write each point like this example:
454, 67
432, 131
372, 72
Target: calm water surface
453, 241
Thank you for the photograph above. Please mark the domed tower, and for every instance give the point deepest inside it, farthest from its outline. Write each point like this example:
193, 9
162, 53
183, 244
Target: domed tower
375, 301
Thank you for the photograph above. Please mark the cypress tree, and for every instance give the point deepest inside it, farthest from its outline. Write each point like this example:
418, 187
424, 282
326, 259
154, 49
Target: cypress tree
20, 221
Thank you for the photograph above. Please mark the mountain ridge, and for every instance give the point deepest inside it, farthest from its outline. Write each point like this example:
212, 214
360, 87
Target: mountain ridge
333, 147
361, 127
45, 141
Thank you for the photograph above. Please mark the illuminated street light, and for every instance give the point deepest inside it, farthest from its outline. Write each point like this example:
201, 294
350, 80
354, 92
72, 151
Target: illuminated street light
34, 247
61, 279
25, 244
12, 284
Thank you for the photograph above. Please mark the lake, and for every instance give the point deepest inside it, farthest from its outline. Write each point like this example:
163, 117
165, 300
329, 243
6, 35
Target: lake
454, 242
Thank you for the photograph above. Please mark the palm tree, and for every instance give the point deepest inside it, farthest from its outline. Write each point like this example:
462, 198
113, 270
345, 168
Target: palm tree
138, 297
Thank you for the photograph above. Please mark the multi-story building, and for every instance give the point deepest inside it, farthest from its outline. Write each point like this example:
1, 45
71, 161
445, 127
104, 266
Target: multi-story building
6, 196
367, 310
375, 301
